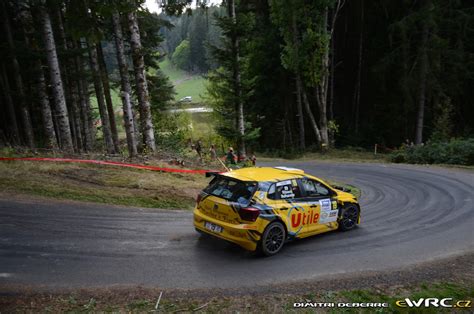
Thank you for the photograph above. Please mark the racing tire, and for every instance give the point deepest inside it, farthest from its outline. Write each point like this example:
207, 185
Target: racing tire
273, 239
348, 217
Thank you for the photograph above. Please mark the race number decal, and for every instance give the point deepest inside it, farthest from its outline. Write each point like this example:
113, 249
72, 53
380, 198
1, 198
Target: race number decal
327, 213
287, 192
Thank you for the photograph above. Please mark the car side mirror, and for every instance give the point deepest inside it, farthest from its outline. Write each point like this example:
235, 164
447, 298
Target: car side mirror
342, 188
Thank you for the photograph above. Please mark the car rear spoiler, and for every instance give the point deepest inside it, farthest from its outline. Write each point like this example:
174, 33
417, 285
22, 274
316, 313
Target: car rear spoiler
212, 174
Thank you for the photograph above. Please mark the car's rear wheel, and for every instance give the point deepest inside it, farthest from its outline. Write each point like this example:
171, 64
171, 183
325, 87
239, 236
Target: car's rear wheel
273, 239
348, 217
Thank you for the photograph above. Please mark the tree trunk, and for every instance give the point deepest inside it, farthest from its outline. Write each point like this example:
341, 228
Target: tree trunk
141, 84
299, 87
322, 89
239, 105
46, 115
108, 98
126, 90
299, 108
24, 110
422, 78
70, 84
314, 125
14, 135
76, 112
104, 116
87, 126
56, 82
335, 13
332, 79
356, 101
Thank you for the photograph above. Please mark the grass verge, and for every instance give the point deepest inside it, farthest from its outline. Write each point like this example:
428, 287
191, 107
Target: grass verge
350, 155
144, 300
107, 184
101, 184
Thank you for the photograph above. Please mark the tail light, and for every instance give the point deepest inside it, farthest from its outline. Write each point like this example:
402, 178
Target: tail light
249, 213
198, 198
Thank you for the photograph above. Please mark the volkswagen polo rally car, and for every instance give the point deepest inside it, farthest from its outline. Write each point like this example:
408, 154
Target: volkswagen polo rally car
261, 208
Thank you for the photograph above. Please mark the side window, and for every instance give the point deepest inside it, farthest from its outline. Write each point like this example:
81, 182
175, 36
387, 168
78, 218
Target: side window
314, 188
284, 190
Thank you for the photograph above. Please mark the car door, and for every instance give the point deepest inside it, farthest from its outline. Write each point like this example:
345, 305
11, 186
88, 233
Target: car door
321, 204
286, 197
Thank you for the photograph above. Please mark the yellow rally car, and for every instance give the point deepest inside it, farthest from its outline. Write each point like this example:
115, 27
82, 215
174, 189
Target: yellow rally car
260, 208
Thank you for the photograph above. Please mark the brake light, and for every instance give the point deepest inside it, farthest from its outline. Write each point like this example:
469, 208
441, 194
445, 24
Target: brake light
249, 213
198, 198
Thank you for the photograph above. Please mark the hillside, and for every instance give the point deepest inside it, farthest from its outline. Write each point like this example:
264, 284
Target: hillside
184, 83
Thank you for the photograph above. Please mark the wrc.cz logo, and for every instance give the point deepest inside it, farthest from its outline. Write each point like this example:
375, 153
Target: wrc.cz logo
435, 302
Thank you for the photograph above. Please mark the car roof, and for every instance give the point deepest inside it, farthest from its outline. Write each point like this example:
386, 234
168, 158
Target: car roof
265, 174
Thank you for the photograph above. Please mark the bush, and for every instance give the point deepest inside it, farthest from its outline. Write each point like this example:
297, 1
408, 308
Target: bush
454, 152
171, 130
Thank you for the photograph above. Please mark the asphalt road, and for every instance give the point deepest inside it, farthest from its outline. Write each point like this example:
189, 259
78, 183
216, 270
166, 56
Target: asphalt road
410, 214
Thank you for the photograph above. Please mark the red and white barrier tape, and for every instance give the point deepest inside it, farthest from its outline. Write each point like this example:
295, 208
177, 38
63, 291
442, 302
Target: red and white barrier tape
110, 163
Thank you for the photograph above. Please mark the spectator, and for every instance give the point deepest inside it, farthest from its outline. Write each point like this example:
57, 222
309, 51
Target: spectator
253, 160
198, 148
230, 157
212, 152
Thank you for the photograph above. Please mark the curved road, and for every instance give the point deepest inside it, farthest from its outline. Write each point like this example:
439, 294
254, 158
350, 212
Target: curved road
410, 214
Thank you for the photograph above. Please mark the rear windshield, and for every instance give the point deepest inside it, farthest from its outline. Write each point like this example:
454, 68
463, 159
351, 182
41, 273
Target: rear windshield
232, 190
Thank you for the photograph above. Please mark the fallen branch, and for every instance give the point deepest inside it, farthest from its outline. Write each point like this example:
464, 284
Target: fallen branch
201, 307
158, 301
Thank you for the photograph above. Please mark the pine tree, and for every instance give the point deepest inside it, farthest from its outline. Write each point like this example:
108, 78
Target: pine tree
126, 90
61, 112
141, 84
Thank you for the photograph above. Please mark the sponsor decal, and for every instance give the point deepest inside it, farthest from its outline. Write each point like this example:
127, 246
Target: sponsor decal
328, 214
286, 182
294, 211
302, 219
287, 192
325, 204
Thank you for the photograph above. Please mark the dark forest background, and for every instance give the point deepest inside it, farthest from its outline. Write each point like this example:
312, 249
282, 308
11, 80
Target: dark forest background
282, 75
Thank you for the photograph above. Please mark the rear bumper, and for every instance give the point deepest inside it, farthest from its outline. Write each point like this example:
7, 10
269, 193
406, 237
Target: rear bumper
238, 234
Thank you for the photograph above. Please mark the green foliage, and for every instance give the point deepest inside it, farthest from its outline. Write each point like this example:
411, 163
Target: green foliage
308, 20
197, 42
198, 27
455, 151
233, 83
442, 122
171, 130
161, 90
181, 55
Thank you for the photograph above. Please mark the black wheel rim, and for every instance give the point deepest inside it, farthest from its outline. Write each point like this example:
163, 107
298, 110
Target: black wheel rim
349, 217
274, 239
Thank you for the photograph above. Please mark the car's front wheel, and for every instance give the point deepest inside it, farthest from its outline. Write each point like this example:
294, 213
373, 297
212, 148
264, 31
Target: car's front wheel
348, 217
273, 239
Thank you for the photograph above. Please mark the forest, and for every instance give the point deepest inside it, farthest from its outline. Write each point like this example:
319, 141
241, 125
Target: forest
281, 76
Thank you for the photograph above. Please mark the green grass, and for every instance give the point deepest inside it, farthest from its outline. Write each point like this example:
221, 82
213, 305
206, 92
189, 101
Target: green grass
173, 73
117, 103
193, 87
101, 184
436, 290
184, 83
340, 154
350, 188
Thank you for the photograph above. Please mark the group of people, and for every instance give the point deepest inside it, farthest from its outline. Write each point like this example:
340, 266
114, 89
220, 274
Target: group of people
231, 158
